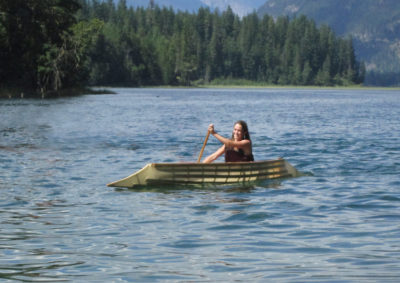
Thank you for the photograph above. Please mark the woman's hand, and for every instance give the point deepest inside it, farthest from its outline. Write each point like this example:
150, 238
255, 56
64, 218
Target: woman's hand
211, 129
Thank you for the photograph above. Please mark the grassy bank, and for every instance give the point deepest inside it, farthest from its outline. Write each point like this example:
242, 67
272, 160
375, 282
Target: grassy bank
242, 83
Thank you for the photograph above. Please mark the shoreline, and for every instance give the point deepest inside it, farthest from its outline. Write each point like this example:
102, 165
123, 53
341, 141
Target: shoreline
18, 93
22, 93
304, 87
221, 86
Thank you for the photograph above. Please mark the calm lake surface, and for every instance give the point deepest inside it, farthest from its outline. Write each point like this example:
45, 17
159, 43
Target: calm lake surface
339, 223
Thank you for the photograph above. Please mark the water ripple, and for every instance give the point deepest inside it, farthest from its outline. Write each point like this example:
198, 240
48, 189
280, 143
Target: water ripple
336, 223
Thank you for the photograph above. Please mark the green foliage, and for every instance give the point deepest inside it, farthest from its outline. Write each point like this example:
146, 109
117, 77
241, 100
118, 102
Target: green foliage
68, 65
374, 26
149, 46
31, 34
111, 44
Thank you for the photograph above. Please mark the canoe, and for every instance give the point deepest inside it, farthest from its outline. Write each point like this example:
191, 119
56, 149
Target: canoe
207, 173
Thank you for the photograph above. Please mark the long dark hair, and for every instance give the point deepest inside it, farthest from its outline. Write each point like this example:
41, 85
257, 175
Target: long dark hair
245, 129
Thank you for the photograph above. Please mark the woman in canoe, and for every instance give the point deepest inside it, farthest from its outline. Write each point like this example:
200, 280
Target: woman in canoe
236, 149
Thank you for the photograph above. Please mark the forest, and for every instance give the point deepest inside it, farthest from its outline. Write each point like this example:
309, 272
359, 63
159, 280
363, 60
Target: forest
49, 45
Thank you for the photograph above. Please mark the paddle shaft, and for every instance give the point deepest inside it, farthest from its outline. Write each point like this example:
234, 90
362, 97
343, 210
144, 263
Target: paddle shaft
204, 145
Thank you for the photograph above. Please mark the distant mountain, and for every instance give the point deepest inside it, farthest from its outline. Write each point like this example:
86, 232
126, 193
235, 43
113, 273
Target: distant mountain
240, 7
373, 24
183, 5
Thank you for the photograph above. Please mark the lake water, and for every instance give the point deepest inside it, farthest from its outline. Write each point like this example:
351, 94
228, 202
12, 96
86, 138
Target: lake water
338, 223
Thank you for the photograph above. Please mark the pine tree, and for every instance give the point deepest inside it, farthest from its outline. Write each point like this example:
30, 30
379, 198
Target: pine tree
30, 29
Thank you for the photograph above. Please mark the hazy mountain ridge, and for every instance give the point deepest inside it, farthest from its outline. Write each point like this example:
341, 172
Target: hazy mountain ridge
373, 24
240, 7
184, 5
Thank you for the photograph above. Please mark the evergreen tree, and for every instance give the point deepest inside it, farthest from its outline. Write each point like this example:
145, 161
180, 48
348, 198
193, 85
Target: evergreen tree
51, 44
31, 28
214, 68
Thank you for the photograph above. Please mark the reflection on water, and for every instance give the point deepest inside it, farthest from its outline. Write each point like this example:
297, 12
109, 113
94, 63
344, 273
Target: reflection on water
59, 222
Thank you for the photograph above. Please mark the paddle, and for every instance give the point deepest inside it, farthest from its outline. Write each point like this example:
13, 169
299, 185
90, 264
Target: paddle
204, 145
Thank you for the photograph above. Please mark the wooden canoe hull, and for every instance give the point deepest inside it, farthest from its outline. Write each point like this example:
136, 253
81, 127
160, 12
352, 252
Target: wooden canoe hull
207, 173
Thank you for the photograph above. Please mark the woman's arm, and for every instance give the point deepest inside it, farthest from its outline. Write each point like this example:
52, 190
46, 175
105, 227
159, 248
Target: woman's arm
228, 142
215, 155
